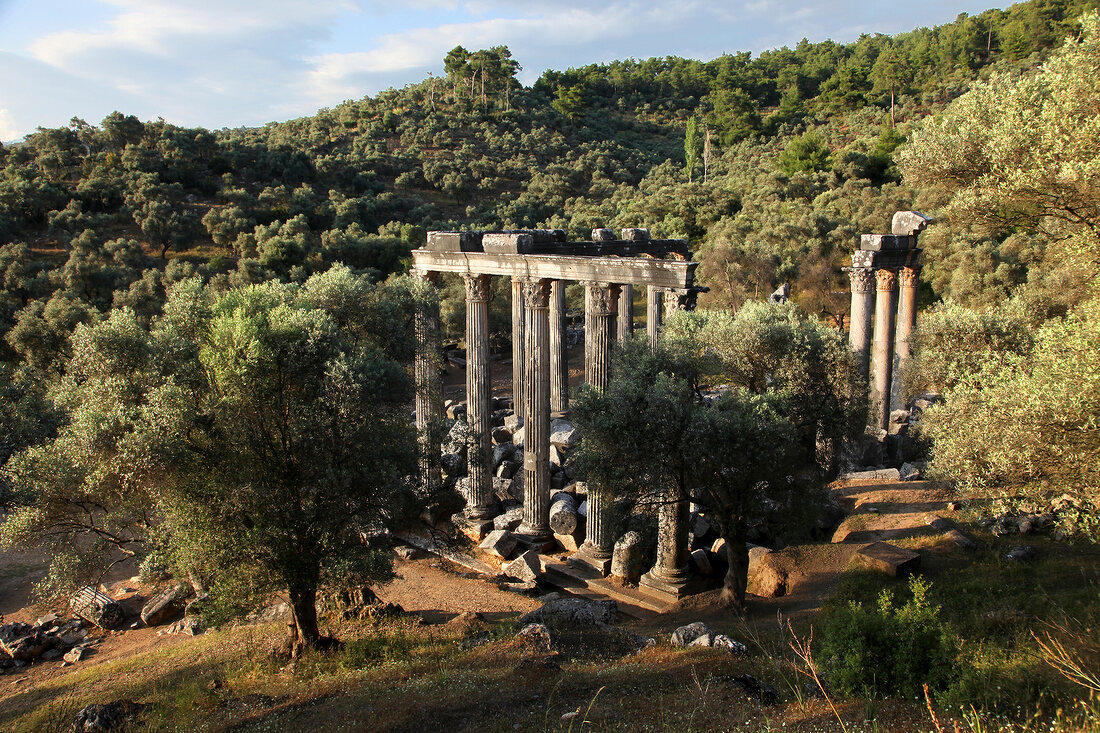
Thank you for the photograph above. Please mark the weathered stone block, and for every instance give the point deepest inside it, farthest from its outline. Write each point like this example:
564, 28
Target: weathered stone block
909, 222
685, 635
701, 562
454, 241
766, 578
573, 610
100, 609
526, 566
508, 244
563, 435
894, 561
886, 242
509, 520
635, 234
501, 453
165, 604
627, 557
499, 542
563, 513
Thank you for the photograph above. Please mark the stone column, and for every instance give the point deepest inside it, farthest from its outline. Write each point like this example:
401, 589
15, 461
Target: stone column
859, 329
518, 364
535, 529
429, 385
671, 573
626, 313
602, 301
908, 280
882, 365
654, 304
478, 398
559, 356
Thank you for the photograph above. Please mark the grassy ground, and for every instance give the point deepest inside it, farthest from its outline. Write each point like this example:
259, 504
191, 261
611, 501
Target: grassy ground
398, 674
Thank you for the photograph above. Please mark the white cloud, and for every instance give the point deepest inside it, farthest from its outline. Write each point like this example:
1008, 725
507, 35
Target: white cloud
219, 62
9, 129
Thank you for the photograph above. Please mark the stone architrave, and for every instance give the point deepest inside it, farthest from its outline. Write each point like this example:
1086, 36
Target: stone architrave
908, 282
671, 573
602, 304
654, 305
429, 386
478, 398
559, 356
626, 313
859, 329
535, 529
882, 364
518, 363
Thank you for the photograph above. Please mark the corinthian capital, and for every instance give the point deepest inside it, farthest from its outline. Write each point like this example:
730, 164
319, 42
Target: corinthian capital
603, 298
536, 293
863, 279
887, 280
477, 288
909, 276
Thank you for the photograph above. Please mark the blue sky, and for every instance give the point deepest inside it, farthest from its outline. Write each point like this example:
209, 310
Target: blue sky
224, 63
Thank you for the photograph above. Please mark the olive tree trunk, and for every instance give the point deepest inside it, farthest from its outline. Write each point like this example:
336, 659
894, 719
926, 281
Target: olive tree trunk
737, 574
302, 629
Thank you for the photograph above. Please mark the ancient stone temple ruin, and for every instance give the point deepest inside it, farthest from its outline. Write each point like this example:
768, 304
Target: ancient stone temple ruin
885, 272
540, 264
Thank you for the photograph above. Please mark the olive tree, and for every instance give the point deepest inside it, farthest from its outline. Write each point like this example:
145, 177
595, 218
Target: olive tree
258, 438
650, 438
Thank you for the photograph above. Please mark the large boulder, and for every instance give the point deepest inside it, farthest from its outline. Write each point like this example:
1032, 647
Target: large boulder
766, 577
573, 611
686, 635
111, 717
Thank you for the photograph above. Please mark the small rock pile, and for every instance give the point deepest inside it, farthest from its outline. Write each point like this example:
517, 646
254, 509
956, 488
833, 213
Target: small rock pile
48, 639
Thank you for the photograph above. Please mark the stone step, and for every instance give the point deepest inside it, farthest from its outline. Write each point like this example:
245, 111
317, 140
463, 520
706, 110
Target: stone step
589, 584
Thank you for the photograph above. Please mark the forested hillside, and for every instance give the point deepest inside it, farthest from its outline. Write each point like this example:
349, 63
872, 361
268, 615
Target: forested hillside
770, 166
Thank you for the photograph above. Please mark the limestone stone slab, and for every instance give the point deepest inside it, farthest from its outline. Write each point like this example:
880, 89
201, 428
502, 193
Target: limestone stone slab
895, 561
625, 270
884, 242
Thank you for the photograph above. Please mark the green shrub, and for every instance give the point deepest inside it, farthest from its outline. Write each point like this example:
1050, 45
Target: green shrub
1027, 420
888, 649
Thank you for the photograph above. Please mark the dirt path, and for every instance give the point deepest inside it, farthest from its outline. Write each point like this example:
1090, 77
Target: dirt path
437, 590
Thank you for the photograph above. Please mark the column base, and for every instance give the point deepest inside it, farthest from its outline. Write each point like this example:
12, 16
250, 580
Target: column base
540, 540
591, 557
670, 588
475, 529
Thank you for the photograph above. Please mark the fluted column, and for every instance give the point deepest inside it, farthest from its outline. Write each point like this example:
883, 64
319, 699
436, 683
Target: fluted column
535, 529
518, 364
908, 281
602, 304
429, 385
654, 304
859, 329
671, 572
559, 356
882, 365
478, 397
626, 313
